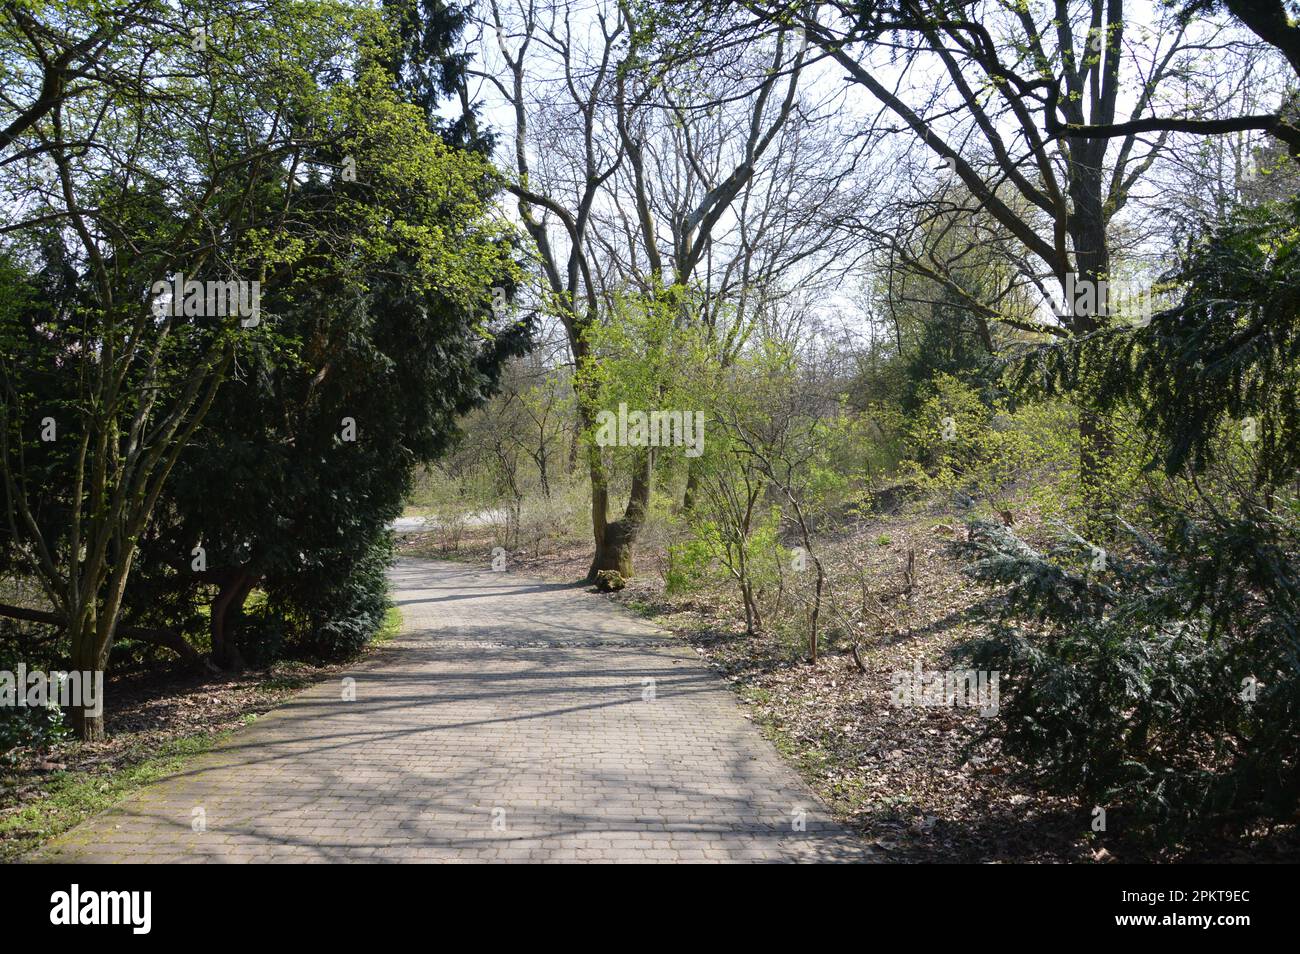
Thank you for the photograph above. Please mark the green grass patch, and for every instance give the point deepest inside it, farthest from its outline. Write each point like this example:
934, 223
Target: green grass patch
642, 608
391, 626
755, 694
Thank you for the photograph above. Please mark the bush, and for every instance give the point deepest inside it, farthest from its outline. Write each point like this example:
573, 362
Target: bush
546, 520
1167, 683
22, 726
995, 454
339, 606
264, 635
34, 727
690, 562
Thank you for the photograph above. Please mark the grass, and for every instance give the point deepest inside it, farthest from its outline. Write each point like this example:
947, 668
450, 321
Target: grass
68, 798
643, 609
389, 628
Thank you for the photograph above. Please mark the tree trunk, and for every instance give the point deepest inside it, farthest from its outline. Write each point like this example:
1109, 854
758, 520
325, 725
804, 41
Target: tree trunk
1087, 228
86, 727
225, 610
571, 462
753, 617
613, 551
816, 612
614, 540
87, 722
692, 489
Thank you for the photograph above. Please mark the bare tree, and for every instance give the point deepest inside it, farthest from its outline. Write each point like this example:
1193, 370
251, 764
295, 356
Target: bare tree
625, 180
1020, 88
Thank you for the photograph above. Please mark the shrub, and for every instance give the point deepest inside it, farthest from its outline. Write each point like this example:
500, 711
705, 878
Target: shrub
1169, 682
339, 606
34, 727
24, 727
690, 562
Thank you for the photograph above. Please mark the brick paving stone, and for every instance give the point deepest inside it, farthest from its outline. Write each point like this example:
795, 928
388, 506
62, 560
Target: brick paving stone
512, 720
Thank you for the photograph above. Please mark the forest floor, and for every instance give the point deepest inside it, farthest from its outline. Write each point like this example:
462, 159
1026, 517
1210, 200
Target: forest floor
920, 784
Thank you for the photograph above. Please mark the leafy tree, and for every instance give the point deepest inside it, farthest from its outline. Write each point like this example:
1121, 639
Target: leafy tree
430, 66
733, 519
305, 459
950, 344
325, 433
214, 174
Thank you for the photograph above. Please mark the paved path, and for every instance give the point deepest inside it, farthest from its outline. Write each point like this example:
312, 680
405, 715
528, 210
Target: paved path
511, 720
481, 518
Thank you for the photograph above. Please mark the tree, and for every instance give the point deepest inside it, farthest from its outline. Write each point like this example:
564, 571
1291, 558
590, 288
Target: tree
63, 48
430, 65
1006, 97
630, 174
325, 433
305, 459
200, 176
1223, 359
786, 432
